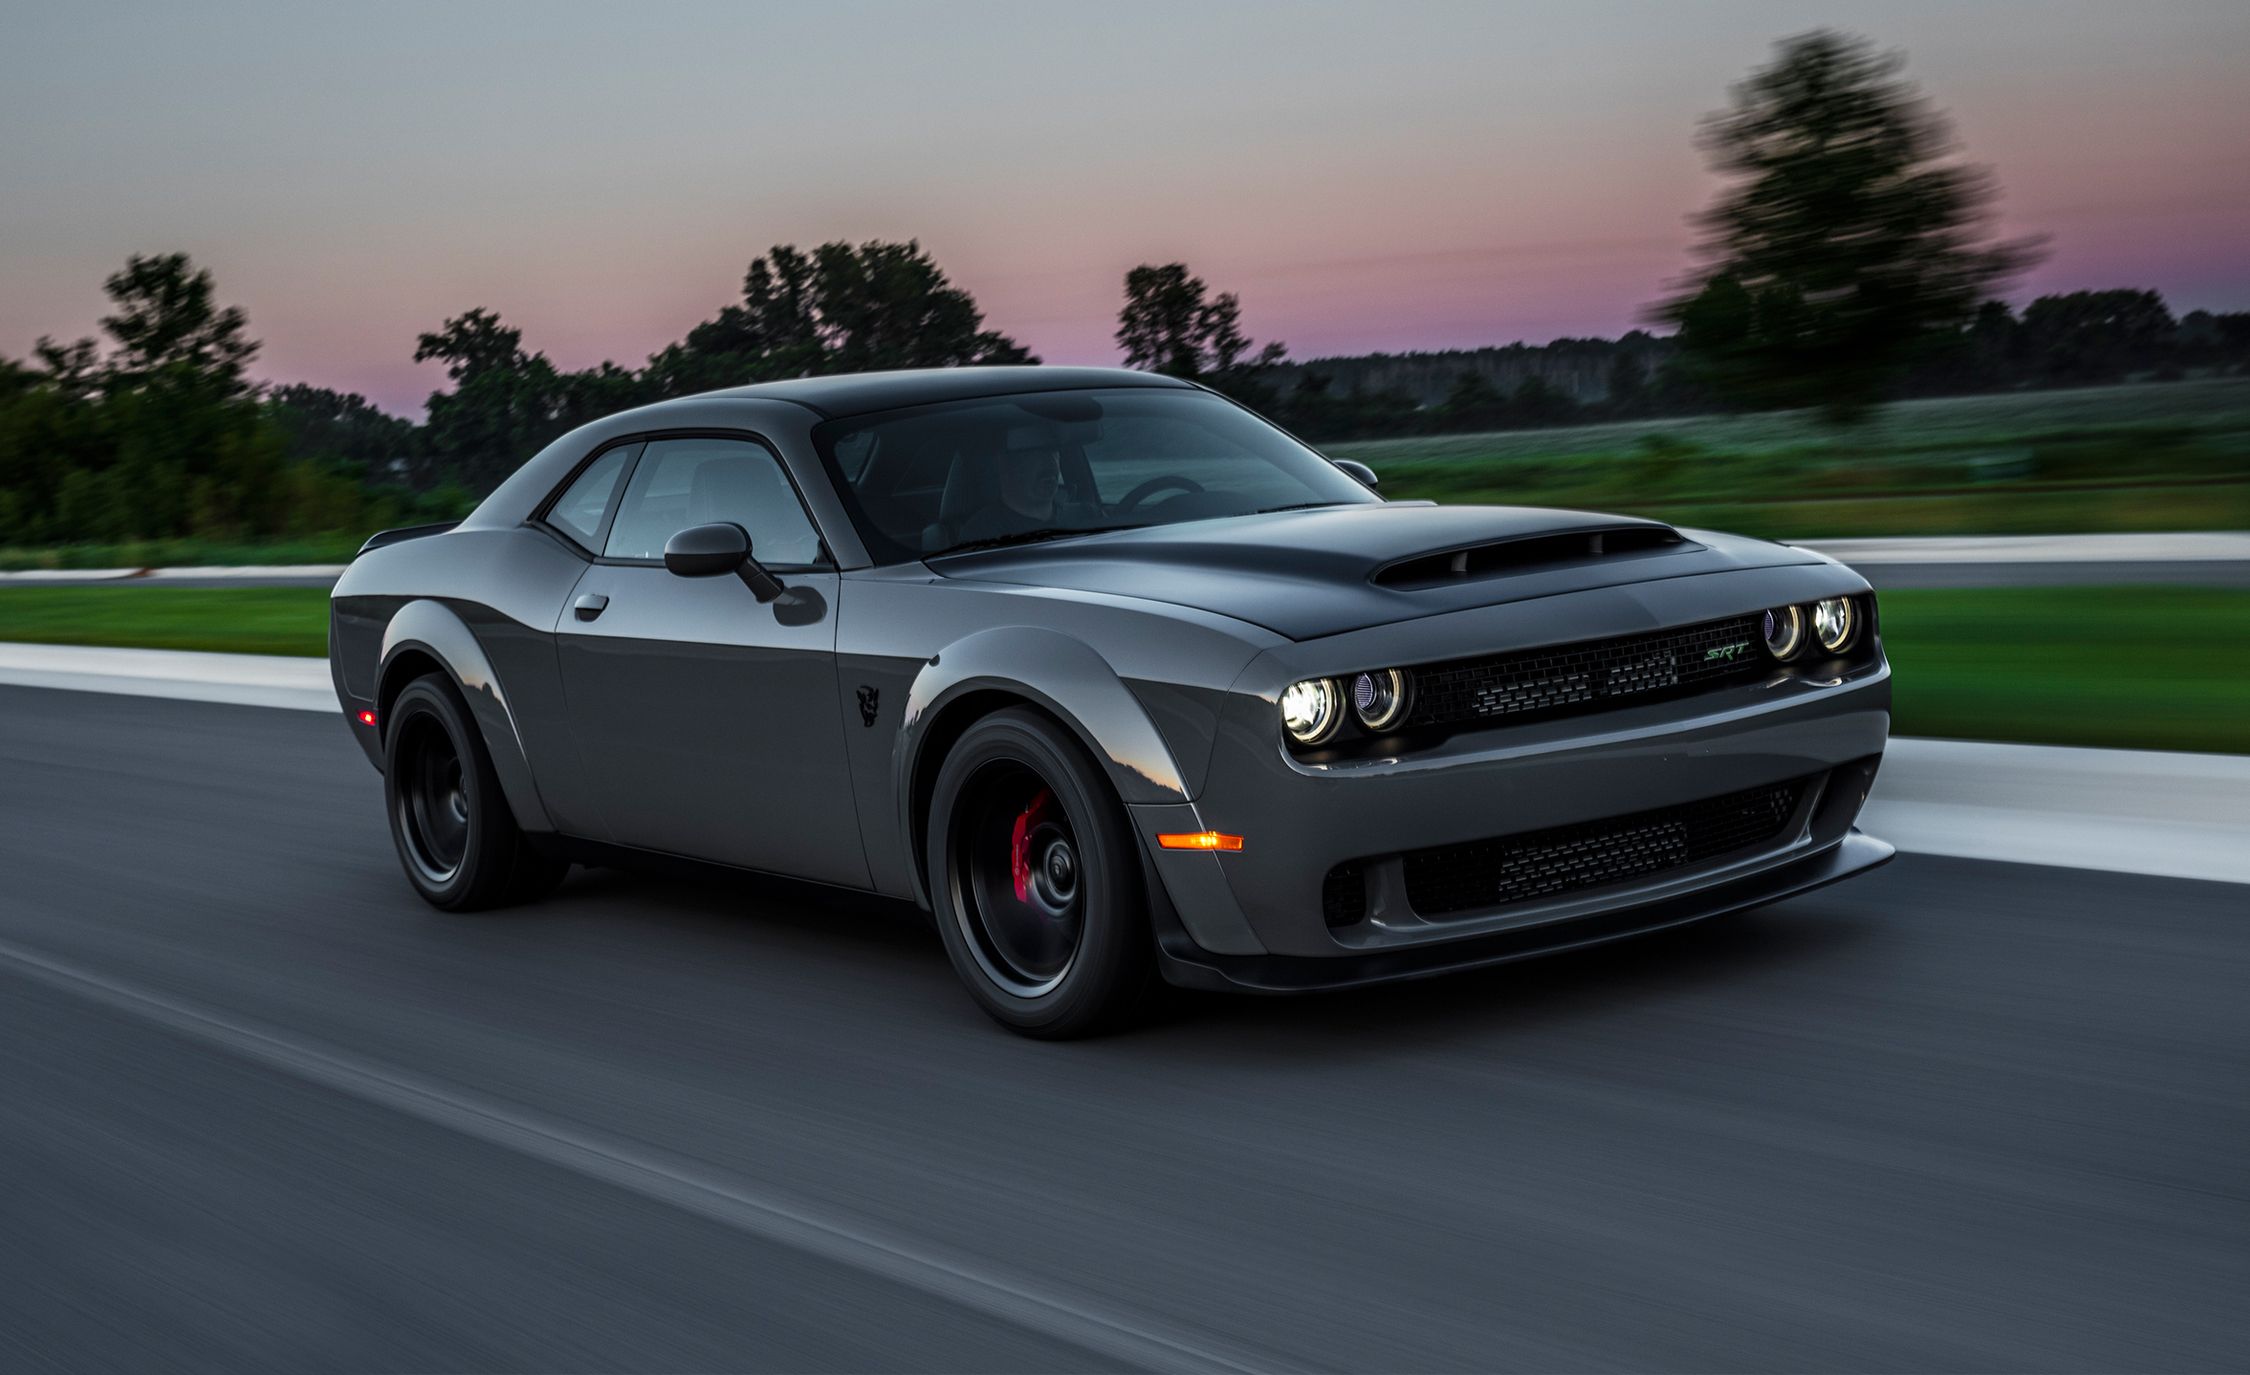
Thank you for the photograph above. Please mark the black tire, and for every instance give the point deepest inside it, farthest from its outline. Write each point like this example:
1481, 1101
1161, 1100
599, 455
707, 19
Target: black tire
1039, 901
458, 842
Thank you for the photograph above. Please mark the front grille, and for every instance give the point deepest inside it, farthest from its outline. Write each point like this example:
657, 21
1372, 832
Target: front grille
1564, 859
1585, 676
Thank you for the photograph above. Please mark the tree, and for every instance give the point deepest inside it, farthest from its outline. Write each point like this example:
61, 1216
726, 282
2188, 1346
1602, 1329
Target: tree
471, 345
320, 425
840, 308
168, 325
2207, 338
504, 404
1539, 402
1628, 384
1472, 403
162, 433
2097, 336
1171, 324
1849, 241
75, 370
887, 305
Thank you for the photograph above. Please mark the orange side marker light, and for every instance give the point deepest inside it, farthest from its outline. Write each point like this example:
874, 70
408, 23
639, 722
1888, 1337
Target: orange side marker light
1198, 840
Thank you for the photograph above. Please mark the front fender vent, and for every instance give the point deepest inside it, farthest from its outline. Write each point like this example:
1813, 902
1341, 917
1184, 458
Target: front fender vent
1531, 552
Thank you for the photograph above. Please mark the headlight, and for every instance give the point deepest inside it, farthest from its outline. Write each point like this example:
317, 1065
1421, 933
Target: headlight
1785, 631
1379, 698
1311, 710
1836, 621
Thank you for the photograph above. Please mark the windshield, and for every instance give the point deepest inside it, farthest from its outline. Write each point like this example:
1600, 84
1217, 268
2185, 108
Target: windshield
962, 475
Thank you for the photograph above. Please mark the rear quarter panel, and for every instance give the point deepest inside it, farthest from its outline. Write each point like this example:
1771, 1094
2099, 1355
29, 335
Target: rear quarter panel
504, 589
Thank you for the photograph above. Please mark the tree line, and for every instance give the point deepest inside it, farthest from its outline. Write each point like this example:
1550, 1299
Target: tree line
1848, 262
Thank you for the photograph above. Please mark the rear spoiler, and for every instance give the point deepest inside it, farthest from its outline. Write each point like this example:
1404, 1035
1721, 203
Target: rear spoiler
381, 538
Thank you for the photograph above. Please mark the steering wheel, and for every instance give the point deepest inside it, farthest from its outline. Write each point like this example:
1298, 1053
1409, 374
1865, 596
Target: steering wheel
1139, 496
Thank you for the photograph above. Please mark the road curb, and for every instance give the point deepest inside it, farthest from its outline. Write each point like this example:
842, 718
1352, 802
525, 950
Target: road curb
2125, 811
251, 680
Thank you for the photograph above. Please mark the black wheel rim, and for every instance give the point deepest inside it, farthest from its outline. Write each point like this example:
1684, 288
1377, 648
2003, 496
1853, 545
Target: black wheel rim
1020, 882
433, 801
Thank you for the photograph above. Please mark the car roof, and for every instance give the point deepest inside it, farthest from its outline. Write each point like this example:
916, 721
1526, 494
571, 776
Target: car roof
863, 392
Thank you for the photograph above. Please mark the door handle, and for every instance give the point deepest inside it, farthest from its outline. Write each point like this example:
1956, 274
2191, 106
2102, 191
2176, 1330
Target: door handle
590, 606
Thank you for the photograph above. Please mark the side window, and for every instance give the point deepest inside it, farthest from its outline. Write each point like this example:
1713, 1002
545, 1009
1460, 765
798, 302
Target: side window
579, 511
684, 482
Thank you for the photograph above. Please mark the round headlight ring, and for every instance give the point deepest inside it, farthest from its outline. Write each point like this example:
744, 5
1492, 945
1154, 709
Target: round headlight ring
1311, 710
1835, 623
1379, 698
1785, 632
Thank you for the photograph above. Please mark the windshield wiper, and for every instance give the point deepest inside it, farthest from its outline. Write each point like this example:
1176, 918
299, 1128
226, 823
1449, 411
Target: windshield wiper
1043, 533
1296, 506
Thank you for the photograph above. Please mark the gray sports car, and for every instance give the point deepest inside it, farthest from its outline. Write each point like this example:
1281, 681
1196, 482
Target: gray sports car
1114, 678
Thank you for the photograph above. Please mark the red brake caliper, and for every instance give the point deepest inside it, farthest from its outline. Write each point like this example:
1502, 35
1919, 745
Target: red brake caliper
1019, 845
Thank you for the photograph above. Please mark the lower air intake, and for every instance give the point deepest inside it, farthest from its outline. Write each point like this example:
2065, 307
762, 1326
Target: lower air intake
1565, 859
1343, 896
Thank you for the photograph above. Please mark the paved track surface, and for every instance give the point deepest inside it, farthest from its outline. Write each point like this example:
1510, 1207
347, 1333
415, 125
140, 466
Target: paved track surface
260, 1108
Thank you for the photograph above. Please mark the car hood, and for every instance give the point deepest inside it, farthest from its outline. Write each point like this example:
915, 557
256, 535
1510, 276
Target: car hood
1305, 574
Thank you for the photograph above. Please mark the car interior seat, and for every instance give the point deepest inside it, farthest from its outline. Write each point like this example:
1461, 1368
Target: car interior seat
972, 483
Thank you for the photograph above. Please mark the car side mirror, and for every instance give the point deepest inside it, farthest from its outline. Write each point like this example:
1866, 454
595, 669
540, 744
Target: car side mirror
712, 551
1359, 471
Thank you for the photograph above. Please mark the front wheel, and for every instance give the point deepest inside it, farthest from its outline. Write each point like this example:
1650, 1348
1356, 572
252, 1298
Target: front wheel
456, 838
1034, 879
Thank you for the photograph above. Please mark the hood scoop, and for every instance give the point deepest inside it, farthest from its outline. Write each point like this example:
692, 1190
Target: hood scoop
1528, 553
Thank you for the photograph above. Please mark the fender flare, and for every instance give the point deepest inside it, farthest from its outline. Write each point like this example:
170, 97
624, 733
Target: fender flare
1066, 677
434, 629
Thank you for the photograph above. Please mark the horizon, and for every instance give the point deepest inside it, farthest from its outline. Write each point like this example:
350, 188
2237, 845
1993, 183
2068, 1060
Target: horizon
1459, 177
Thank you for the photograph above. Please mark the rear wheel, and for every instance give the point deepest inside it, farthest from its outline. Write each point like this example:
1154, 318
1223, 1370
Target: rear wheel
459, 843
1034, 879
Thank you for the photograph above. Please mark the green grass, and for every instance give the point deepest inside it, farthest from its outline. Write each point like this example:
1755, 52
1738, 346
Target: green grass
2163, 668
2131, 667
2158, 456
233, 620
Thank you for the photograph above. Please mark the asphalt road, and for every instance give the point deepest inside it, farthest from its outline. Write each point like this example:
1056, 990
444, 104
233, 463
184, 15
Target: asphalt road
260, 1108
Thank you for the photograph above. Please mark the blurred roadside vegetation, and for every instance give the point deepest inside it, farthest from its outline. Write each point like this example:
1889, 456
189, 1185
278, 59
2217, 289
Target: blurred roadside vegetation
2157, 456
2120, 667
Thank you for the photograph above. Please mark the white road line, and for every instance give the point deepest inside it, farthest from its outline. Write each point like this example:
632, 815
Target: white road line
1129, 1338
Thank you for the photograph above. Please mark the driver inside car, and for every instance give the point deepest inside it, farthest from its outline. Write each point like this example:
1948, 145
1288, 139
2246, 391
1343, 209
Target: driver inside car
1030, 480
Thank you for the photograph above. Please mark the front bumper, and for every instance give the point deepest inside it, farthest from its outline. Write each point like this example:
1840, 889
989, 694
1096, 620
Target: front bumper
1190, 966
1262, 910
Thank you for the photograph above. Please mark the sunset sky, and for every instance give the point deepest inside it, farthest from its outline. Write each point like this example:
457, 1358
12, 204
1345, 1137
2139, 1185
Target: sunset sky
1366, 176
